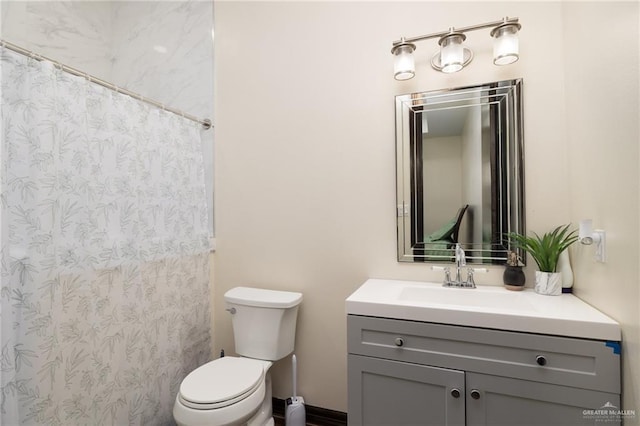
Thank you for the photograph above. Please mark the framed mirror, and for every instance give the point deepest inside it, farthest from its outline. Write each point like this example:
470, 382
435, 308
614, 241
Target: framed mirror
460, 172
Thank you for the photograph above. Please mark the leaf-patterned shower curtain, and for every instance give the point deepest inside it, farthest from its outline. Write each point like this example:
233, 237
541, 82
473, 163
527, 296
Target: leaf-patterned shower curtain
104, 252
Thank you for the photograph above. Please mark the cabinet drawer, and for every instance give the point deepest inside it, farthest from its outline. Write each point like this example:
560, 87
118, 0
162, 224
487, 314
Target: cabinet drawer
581, 363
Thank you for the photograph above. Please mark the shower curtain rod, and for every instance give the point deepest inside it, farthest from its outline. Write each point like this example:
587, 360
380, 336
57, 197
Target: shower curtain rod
206, 123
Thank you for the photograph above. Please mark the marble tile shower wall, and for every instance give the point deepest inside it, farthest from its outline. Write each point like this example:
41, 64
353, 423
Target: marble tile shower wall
162, 50
168, 45
75, 33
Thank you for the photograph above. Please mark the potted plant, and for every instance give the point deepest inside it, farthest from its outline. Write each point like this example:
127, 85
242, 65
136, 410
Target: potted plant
513, 277
546, 250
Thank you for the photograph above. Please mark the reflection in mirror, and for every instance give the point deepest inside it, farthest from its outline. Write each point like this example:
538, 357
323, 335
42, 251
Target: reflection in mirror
460, 172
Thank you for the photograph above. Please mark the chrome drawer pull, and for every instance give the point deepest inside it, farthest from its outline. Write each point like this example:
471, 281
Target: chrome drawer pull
399, 341
541, 360
455, 393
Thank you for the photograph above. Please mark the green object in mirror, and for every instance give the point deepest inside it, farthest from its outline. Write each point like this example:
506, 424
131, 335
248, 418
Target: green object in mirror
460, 172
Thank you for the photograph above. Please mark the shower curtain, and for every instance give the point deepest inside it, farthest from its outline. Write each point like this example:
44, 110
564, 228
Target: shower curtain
104, 252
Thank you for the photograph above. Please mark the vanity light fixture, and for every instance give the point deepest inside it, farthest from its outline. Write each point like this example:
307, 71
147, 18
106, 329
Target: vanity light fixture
453, 56
588, 236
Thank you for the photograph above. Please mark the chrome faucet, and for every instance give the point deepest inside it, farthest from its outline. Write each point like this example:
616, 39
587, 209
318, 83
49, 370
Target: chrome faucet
461, 260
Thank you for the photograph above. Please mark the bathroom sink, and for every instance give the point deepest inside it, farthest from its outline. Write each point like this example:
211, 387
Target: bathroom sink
463, 297
485, 306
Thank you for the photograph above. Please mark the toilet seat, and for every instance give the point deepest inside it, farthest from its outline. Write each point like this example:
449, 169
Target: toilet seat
221, 383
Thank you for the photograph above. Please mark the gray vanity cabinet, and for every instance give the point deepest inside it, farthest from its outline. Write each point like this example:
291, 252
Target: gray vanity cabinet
399, 393
415, 373
513, 402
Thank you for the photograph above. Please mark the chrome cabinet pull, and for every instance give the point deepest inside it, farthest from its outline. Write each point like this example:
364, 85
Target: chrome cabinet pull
399, 341
455, 393
475, 394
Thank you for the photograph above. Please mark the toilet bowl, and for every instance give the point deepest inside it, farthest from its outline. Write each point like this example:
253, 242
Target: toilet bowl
226, 391
237, 390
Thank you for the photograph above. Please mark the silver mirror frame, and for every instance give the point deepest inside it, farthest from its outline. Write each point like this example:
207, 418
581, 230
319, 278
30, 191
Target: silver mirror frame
504, 99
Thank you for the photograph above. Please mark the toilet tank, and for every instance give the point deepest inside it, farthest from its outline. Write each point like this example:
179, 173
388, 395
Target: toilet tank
264, 321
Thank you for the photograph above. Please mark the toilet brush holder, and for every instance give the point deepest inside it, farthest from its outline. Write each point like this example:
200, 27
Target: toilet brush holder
294, 414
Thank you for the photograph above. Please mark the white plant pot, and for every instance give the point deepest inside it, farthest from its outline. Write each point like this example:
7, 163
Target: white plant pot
548, 283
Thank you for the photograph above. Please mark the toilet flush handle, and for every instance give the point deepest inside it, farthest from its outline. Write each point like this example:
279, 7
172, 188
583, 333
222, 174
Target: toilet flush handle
232, 311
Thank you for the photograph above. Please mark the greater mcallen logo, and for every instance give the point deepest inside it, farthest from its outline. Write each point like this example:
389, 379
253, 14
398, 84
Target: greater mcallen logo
608, 413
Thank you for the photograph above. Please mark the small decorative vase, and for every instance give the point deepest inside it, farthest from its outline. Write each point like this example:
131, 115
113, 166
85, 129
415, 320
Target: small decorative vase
564, 267
513, 278
548, 283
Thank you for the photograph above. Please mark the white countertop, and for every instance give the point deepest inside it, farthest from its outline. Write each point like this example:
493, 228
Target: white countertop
485, 306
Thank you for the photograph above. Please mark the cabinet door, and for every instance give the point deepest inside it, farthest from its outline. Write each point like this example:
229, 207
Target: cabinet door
493, 401
392, 393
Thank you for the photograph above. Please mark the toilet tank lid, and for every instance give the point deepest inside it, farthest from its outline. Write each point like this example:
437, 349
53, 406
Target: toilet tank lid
263, 298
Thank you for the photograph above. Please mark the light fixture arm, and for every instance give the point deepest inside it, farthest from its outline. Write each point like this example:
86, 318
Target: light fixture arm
440, 34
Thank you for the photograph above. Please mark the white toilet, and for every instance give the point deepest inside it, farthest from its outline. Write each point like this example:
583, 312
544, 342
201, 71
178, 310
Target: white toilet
237, 390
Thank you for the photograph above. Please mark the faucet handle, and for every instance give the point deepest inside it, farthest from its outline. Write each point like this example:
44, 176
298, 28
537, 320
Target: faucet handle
447, 273
447, 276
470, 281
